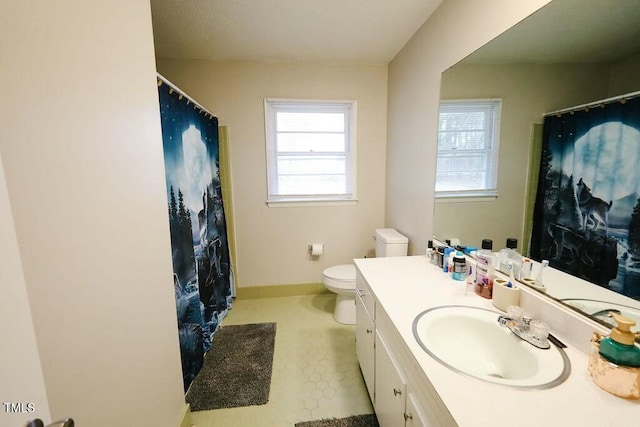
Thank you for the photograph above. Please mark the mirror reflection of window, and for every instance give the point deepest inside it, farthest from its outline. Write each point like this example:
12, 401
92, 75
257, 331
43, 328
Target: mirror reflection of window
468, 139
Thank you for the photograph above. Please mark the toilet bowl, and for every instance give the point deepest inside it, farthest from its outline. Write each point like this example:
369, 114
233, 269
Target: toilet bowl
341, 279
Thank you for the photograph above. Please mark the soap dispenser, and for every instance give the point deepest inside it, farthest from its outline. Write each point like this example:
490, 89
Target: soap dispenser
619, 347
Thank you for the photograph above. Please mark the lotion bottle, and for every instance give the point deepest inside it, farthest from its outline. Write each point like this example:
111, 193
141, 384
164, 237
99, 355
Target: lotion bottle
619, 347
484, 270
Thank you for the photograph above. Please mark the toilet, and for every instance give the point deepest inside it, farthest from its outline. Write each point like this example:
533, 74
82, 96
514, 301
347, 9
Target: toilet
341, 279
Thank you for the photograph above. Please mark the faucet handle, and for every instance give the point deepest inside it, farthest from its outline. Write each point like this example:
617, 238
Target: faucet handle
515, 312
539, 331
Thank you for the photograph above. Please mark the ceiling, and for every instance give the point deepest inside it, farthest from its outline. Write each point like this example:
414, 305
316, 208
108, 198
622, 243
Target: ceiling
353, 31
568, 31
374, 31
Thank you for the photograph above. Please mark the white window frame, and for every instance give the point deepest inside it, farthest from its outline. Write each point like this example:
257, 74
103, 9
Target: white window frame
492, 127
274, 105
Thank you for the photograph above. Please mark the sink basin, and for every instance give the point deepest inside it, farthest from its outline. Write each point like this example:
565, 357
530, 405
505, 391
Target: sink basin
470, 341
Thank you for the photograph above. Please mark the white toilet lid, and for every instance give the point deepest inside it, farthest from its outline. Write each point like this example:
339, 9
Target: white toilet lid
342, 273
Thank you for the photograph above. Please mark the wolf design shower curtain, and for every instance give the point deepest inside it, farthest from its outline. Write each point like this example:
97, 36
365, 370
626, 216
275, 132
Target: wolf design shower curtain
200, 252
587, 211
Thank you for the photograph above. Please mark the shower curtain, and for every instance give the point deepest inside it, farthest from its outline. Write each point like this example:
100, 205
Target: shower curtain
202, 272
587, 210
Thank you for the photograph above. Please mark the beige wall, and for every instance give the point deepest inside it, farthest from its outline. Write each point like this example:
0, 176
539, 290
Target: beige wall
625, 76
272, 242
455, 30
81, 146
527, 92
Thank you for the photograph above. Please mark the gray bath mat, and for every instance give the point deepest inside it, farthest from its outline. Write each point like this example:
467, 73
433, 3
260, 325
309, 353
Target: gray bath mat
236, 370
369, 420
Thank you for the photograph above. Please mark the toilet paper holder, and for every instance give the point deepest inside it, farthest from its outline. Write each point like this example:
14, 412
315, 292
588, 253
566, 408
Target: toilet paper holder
316, 249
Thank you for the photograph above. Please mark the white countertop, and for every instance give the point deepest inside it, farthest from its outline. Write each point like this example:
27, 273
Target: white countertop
406, 286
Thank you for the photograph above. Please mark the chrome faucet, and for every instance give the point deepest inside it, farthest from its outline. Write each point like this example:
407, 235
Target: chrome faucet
605, 315
535, 332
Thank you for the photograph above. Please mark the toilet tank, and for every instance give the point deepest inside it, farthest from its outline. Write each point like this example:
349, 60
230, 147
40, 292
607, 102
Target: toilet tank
390, 243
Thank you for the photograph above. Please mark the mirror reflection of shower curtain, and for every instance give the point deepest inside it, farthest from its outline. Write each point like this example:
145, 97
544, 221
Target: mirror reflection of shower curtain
532, 185
200, 248
587, 211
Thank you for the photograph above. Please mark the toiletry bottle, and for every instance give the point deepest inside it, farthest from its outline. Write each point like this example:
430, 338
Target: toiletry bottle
452, 254
440, 256
445, 259
429, 252
486, 247
485, 270
471, 278
459, 266
619, 347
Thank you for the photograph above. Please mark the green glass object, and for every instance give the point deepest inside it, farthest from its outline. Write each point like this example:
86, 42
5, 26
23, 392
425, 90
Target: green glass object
619, 347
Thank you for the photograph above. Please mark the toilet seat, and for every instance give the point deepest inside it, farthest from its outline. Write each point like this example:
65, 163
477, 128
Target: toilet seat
340, 277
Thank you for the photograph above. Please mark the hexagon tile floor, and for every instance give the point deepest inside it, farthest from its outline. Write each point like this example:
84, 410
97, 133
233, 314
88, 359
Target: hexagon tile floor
315, 370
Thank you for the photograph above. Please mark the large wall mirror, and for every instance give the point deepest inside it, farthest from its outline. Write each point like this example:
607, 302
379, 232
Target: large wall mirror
569, 53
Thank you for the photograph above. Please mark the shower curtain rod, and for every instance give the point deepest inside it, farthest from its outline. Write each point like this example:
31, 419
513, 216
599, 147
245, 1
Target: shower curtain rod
602, 102
162, 79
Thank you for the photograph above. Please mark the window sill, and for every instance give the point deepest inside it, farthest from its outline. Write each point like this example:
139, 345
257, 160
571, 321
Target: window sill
466, 196
298, 203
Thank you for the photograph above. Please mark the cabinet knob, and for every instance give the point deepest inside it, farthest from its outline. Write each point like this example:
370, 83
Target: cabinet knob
408, 417
369, 331
396, 392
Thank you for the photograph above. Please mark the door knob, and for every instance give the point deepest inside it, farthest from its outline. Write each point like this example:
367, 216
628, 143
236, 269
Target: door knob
67, 422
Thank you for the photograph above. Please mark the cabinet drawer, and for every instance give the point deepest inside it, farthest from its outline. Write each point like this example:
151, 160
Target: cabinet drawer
364, 293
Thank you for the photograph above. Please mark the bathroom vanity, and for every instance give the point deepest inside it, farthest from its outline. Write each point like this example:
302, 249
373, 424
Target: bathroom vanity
410, 388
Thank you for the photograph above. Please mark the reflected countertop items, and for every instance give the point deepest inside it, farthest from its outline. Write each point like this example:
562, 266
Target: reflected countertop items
587, 297
601, 309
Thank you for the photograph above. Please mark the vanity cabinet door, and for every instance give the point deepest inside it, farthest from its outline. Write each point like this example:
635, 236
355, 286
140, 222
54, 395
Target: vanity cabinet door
390, 386
414, 414
365, 341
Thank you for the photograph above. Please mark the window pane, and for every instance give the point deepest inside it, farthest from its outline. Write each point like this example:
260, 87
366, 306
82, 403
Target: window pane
462, 140
311, 142
468, 140
305, 165
462, 120
468, 162
312, 184
310, 122
309, 149
461, 181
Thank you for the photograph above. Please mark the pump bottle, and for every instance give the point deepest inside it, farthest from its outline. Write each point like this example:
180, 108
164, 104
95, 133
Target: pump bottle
619, 347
